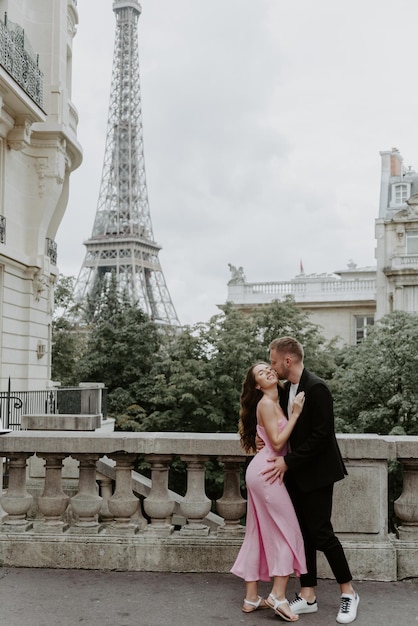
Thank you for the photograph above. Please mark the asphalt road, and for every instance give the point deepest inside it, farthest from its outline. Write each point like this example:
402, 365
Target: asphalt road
49, 597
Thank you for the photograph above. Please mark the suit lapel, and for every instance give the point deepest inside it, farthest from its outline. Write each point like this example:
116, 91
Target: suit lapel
302, 382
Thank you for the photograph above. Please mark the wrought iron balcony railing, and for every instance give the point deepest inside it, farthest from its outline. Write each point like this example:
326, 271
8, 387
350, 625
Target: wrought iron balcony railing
18, 59
2, 229
51, 250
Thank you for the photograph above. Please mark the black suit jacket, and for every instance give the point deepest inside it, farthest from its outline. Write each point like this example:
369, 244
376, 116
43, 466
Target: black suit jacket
314, 459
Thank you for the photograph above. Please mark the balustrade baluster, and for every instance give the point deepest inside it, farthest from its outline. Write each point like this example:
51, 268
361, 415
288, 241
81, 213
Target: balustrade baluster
17, 501
195, 504
86, 503
123, 504
106, 489
158, 505
105, 516
53, 502
231, 506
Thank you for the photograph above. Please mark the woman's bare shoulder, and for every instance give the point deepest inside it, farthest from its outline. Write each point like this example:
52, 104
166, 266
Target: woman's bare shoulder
267, 403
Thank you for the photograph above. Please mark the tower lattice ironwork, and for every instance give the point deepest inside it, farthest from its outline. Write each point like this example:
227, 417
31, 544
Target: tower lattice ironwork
122, 240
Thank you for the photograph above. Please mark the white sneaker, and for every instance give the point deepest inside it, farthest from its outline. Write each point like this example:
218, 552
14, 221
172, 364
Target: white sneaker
348, 608
299, 606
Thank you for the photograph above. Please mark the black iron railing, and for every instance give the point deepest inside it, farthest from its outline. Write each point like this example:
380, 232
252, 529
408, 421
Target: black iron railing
51, 250
19, 60
62, 400
2, 229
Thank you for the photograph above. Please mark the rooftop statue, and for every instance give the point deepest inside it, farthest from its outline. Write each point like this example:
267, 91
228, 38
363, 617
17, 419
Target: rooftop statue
237, 275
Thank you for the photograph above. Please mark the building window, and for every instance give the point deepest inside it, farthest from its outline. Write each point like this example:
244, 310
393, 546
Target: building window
400, 193
412, 242
363, 322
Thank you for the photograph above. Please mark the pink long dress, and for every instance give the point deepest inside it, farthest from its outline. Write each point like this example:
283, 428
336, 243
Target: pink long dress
273, 543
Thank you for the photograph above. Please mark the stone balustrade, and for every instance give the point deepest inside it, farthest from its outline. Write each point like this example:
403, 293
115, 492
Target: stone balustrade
73, 501
311, 288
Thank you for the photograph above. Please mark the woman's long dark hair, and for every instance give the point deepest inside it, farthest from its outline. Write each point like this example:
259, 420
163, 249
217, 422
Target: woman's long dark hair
250, 397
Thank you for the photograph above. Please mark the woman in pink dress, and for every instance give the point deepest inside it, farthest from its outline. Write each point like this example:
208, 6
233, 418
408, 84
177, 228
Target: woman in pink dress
273, 543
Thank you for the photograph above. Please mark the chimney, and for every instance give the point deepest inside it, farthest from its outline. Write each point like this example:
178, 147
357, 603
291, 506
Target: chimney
396, 162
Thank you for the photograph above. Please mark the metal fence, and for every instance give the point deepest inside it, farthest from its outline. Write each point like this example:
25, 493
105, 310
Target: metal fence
62, 400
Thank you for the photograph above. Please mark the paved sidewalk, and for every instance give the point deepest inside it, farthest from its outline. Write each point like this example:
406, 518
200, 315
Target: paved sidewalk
49, 597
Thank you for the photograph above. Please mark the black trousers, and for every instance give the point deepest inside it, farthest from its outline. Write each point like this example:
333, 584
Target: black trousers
313, 510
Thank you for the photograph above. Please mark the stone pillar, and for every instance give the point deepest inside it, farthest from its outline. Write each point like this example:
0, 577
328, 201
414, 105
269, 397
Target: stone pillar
123, 503
158, 505
17, 500
406, 506
53, 502
232, 505
91, 398
86, 503
195, 504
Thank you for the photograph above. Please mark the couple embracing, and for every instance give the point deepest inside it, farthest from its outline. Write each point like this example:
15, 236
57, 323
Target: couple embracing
290, 483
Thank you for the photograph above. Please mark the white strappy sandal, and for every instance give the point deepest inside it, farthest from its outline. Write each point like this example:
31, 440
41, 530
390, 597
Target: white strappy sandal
276, 604
260, 604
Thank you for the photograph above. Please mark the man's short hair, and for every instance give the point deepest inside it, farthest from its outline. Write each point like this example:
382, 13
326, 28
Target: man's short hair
288, 345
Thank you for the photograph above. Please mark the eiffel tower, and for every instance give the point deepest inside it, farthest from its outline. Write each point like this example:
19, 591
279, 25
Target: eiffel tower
122, 242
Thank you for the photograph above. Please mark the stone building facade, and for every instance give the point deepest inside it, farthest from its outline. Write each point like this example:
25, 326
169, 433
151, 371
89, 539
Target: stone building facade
345, 303
397, 237
38, 152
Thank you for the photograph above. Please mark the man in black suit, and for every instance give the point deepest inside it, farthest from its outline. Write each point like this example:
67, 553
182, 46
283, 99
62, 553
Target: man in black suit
310, 470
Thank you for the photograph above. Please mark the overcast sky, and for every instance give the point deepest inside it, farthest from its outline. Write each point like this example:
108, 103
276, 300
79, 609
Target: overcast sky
263, 123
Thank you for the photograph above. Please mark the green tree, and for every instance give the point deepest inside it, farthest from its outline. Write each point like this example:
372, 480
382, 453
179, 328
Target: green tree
67, 343
284, 318
180, 393
122, 352
198, 386
234, 341
376, 384
199, 383
63, 293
